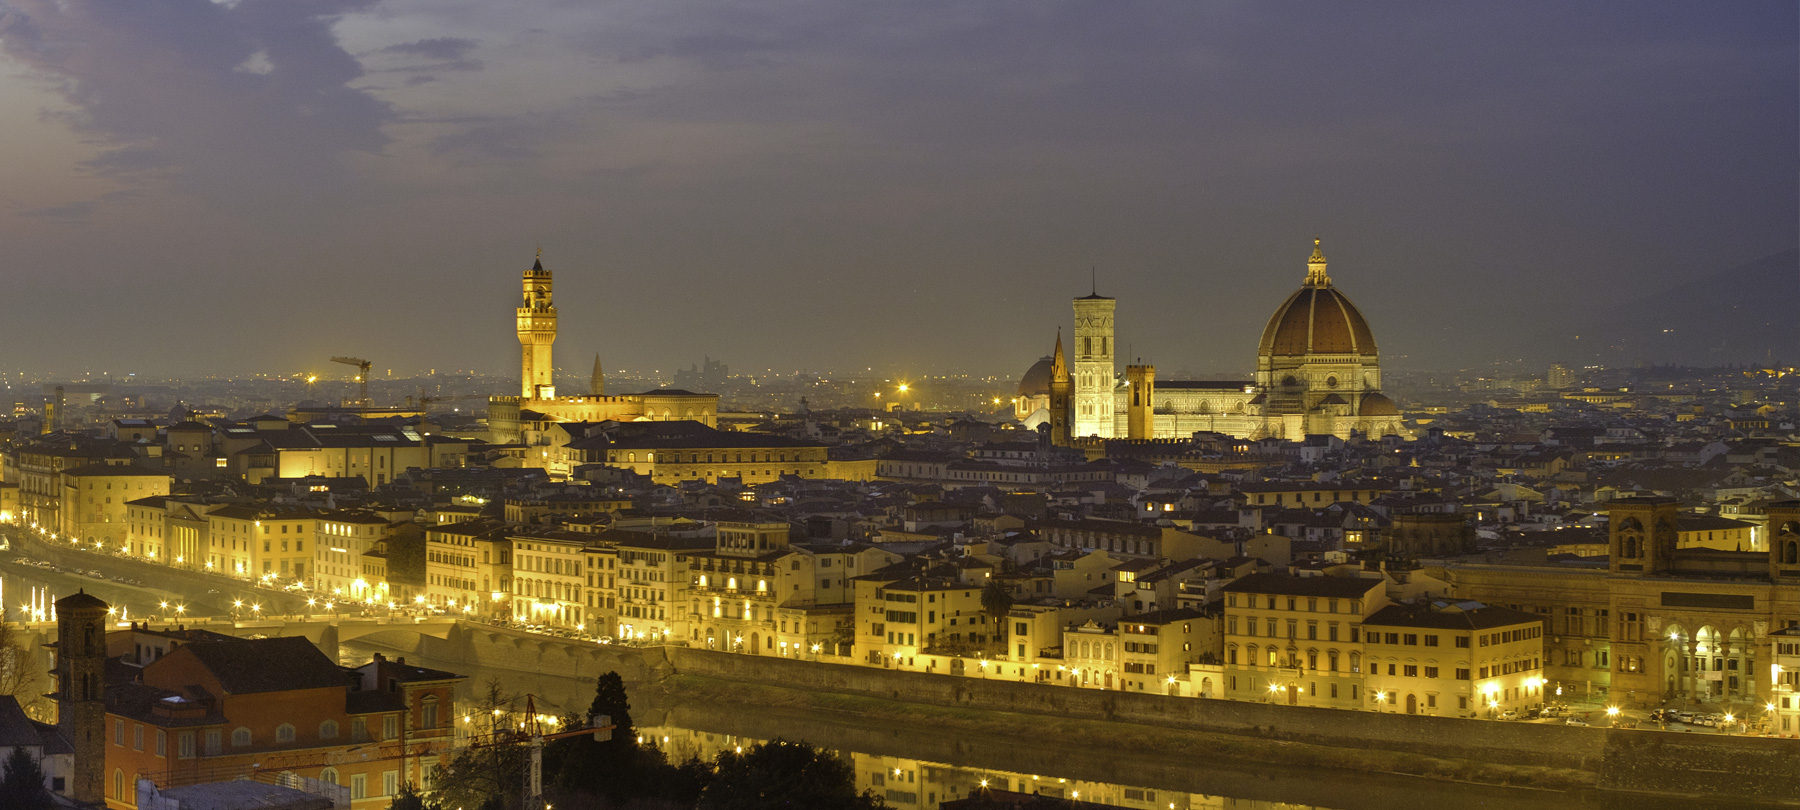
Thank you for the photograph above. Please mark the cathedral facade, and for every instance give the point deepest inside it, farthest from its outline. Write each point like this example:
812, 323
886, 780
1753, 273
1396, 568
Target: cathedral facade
538, 400
1317, 372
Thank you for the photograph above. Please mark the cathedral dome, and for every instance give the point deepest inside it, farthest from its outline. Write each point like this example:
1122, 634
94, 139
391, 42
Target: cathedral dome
1316, 319
1377, 404
1036, 382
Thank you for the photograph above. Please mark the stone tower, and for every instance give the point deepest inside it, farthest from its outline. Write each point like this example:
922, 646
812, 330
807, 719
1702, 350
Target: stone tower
1784, 541
537, 330
81, 691
1641, 534
1093, 370
1140, 410
597, 383
1061, 392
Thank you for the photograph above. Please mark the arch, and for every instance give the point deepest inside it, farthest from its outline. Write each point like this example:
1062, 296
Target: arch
118, 785
328, 730
1631, 524
1790, 553
284, 733
329, 775
755, 643
1412, 704
1631, 548
1206, 687
240, 737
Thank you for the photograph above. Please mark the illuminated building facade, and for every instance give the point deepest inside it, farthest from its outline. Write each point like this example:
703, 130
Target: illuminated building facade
1317, 372
509, 418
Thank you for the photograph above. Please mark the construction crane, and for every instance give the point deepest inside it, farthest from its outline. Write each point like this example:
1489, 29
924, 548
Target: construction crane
362, 376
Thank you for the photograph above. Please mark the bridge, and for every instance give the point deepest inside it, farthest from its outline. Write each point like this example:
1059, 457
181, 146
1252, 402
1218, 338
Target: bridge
326, 632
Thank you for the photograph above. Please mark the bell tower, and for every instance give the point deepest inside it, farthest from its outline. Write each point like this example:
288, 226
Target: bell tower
1140, 411
1784, 541
1641, 534
537, 330
1061, 390
81, 691
1094, 372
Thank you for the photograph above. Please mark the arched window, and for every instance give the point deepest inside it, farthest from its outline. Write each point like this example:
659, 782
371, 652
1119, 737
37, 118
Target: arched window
241, 737
284, 733
329, 775
1792, 554
328, 730
118, 784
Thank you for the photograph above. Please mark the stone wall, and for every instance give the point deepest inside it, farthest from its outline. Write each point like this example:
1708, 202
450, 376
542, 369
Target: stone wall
1760, 768
1478, 740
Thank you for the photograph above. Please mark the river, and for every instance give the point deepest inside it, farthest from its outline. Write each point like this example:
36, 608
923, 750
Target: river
916, 768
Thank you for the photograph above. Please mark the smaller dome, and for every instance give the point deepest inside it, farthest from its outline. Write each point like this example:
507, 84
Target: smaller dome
1374, 404
1036, 382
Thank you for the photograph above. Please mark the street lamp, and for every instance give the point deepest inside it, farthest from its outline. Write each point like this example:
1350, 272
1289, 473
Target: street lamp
1612, 715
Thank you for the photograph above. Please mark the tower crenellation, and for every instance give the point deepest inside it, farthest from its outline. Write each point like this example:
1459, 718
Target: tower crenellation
537, 331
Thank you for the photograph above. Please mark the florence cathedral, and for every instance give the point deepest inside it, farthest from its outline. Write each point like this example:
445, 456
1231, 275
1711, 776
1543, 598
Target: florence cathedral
1317, 372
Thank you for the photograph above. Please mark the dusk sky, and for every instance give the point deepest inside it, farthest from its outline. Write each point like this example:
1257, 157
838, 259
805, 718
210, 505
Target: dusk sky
254, 186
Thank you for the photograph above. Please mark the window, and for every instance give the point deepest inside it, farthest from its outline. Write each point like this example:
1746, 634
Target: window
240, 738
213, 737
359, 729
390, 727
284, 733
119, 733
329, 775
137, 736
359, 786
184, 745
1431, 672
390, 783
429, 717
328, 730
1409, 670
1431, 641
162, 743
1462, 642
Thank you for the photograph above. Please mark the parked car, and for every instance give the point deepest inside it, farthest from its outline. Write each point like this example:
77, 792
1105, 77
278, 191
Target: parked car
1510, 714
1575, 721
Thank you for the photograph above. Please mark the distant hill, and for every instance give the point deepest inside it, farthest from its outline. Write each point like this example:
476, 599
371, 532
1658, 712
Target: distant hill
1747, 314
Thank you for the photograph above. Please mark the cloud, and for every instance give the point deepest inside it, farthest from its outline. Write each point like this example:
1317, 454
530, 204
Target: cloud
445, 48
236, 103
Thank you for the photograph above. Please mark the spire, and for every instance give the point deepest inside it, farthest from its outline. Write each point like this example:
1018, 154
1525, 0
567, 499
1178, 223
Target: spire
1059, 368
597, 386
1315, 267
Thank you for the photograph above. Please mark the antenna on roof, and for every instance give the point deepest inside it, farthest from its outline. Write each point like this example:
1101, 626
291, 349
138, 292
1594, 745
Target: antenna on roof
1094, 279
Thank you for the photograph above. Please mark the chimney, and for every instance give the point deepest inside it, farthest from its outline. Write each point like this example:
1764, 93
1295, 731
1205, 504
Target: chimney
380, 658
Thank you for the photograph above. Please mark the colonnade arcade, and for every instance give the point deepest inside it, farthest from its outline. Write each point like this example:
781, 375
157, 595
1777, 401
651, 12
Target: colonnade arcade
1709, 662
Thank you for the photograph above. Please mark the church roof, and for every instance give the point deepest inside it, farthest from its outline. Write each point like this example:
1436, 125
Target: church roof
1036, 381
1316, 319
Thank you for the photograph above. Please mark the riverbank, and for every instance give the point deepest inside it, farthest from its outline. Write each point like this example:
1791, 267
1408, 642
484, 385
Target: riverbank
1450, 750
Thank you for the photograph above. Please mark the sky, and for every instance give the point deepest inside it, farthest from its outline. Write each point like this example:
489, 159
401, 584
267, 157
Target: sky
254, 186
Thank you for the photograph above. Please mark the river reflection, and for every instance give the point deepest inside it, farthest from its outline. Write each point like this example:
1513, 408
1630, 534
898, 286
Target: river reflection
914, 766
905, 782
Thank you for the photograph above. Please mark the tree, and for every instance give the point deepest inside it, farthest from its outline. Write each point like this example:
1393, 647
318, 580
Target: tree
614, 767
996, 602
490, 776
409, 799
17, 674
22, 787
782, 774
